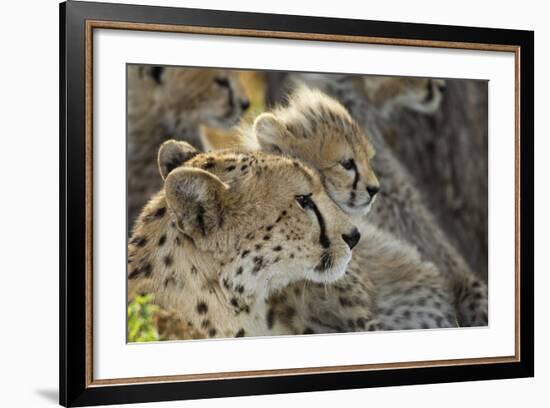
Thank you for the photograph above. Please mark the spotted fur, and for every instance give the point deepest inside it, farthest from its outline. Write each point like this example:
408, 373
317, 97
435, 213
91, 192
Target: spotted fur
228, 230
387, 286
402, 210
317, 129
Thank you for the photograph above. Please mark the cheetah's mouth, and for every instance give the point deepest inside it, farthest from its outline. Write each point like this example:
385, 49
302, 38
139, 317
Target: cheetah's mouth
330, 268
358, 209
325, 262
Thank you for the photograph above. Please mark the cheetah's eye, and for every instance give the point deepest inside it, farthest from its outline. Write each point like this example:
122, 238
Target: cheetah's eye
348, 164
223, 82
304, 200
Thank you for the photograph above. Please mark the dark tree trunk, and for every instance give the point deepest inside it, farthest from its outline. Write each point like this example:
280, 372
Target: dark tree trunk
448, 155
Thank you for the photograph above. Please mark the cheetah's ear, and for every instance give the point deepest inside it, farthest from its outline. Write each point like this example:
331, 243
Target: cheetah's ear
197, 199
172, 154
270, 133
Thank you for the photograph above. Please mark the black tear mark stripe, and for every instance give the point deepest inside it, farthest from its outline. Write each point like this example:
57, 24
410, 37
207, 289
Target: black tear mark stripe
231, 96
323, 238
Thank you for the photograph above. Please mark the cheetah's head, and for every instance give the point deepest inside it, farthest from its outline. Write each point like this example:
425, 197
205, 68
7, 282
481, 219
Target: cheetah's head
189, 95
318, 130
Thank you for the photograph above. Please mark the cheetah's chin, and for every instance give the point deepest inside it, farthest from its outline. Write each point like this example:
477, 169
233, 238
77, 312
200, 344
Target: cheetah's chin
358, 211
329, 269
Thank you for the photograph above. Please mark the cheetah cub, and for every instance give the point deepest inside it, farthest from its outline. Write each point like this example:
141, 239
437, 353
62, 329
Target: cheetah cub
227, 230
170, 102
311, 122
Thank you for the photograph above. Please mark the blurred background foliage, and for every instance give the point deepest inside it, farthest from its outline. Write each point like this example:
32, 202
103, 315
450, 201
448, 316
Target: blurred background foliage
141, 326
148, 322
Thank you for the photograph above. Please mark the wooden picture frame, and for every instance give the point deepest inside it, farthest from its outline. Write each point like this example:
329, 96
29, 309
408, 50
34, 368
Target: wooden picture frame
78, 20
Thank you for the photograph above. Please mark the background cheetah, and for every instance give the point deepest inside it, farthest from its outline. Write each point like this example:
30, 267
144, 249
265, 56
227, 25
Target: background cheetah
169, 102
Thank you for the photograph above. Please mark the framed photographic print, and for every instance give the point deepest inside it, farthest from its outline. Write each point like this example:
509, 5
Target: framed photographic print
255, 203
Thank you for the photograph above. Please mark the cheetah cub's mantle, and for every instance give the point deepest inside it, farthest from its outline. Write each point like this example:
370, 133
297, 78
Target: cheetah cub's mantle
387, 286
230, 228
318, 130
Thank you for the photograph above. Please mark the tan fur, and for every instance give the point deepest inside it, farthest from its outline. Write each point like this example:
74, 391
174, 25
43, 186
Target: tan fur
387, 286
385, 93
184, 98
404, 212
411, 293
170, 102
318, 130
226, 231
217, 139
423, 95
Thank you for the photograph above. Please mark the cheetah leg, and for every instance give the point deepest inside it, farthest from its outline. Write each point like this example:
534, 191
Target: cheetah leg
408, 305
471, 295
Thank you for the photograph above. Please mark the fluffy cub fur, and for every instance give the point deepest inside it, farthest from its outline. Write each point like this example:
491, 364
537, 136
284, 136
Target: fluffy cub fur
387, 286
319, 130
401, 209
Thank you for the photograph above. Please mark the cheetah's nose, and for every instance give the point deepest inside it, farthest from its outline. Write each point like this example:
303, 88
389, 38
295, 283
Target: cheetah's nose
245, 104
372, 190
352, 238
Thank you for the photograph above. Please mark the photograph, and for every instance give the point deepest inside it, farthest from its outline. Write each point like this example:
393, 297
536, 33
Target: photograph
269, 203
